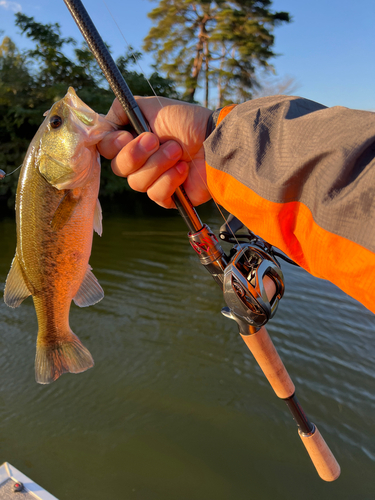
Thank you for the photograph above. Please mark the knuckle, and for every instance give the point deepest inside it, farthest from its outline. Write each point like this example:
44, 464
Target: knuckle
135, 184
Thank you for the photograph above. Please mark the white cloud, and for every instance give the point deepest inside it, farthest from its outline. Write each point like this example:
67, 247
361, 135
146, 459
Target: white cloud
14, 6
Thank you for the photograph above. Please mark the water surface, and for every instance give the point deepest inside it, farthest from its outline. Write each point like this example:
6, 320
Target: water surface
176, 407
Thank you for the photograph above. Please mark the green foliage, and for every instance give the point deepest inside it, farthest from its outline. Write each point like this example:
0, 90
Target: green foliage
220, 42
32, 80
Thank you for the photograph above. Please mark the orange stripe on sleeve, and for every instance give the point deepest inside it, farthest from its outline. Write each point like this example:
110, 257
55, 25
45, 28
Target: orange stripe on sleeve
291, 228
225, 111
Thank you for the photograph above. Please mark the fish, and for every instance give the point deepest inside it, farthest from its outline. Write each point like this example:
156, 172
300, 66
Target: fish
57, 211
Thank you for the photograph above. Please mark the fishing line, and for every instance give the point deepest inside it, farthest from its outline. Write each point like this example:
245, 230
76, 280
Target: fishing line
3, 174
161, 106
133, 55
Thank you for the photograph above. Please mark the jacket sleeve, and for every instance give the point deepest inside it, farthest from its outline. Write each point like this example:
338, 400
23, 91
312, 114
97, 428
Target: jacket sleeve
302, 176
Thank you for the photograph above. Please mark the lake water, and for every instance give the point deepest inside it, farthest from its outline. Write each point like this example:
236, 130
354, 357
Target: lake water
175, 407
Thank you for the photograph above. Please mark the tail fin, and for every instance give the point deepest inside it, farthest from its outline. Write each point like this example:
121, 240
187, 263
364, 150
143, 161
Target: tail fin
65, 356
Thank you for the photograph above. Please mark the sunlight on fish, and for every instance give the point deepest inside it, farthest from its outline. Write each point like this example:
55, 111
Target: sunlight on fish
57, 210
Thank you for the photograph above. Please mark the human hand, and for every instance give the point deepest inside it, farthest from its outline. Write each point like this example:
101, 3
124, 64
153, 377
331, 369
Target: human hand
159, 162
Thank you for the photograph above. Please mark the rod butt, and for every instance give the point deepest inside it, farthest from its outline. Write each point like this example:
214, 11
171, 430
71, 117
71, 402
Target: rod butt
322, 457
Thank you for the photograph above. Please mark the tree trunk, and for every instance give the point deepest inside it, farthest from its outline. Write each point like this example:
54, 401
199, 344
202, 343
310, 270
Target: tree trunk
220, 87
198, 60
207, 68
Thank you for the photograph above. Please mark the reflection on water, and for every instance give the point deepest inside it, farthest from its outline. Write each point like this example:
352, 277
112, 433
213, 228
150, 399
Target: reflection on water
176, 407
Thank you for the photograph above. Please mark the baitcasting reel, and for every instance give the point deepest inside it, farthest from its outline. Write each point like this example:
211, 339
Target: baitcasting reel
244, 284
243, 273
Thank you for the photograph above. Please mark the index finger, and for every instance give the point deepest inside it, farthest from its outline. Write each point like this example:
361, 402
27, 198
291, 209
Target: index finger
117, 114
149, 106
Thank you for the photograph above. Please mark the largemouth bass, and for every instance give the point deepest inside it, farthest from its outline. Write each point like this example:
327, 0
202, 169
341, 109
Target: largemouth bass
57, 209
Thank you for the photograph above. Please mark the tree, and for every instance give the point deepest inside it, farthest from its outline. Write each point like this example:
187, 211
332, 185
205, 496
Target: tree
52, 70
32, 80
215, 41
15, 109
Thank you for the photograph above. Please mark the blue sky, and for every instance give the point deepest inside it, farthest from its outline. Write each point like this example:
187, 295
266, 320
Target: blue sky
329, 49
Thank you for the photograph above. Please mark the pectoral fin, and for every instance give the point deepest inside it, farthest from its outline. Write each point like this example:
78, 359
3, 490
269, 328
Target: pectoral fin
64, 211
98, 226
16, 290
90, 291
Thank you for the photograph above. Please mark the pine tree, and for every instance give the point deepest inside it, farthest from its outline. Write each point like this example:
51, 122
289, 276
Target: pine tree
219, 42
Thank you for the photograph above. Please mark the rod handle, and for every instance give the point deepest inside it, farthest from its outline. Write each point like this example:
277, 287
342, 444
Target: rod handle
263, 350
322, 457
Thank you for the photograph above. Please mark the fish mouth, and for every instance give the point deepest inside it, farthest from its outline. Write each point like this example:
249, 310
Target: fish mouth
96, 126
82, 111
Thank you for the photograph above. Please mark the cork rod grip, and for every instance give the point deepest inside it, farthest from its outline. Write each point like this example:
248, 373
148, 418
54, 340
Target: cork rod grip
322, 457
264, 352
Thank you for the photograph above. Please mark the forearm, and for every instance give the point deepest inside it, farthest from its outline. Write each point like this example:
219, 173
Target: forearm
302, 176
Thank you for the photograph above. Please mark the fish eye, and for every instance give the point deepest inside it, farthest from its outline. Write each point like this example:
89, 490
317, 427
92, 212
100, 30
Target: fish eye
55, 121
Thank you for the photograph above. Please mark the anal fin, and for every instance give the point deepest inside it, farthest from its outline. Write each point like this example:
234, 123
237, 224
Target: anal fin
90, 291
16, 290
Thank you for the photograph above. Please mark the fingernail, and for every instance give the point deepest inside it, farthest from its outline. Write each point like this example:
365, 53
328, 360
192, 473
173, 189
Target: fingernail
172, 150
148, 142
181, 167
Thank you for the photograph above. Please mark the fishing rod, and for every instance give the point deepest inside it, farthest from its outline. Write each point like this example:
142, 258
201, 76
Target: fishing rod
250, 276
